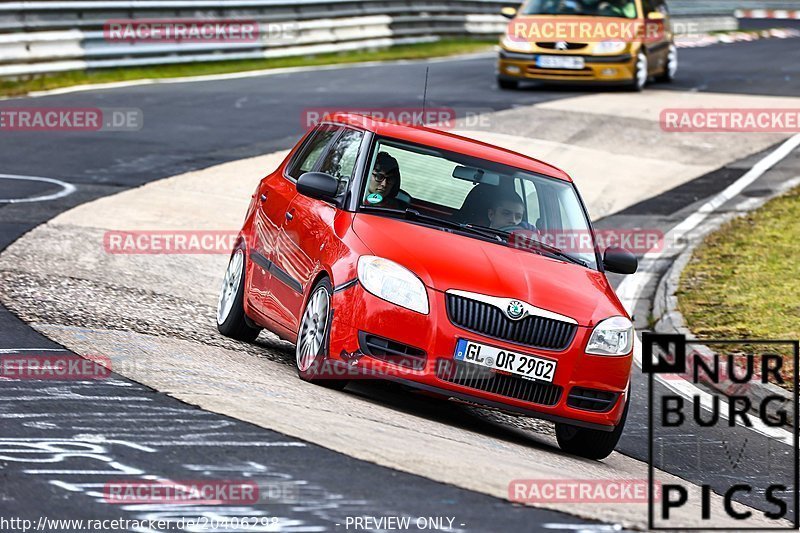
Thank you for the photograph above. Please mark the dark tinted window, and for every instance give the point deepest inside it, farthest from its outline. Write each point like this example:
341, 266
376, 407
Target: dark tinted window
312, 151
340, 161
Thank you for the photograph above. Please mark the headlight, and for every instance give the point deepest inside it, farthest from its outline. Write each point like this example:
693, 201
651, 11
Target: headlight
516, 45
610, 47
613, 336
391, 282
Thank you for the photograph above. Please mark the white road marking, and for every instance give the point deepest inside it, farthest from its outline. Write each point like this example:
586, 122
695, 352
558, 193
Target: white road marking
66, 189
583, 528
226, 443
15, 350
630, 289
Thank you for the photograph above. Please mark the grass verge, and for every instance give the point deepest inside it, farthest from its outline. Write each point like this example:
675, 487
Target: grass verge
412, 51
744, 280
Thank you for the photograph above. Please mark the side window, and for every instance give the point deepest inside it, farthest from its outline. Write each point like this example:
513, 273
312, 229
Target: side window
312, 151
340, 161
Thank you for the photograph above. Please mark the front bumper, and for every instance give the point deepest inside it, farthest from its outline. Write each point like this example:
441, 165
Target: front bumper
359, 314
619, 69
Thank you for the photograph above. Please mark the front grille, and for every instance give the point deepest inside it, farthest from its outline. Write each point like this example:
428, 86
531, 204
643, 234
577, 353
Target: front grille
570, 46
559, 73
591, 399
392, 351
534, 331
482, 378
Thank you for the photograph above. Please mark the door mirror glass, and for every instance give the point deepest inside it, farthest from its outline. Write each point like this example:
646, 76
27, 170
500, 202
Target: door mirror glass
620, 261
318, 185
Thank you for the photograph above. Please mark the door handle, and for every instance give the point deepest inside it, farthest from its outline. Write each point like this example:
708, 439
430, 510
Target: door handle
263, 197
289, 215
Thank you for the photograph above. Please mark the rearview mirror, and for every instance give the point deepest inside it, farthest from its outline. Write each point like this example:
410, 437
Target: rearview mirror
476, 175
318, 185
620, 261
509, 12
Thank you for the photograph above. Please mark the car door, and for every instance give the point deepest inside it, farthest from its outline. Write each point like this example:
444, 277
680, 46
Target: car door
275, 193
308, 226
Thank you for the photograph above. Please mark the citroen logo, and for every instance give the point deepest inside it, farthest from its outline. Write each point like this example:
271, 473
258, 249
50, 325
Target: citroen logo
515, 310
562, 45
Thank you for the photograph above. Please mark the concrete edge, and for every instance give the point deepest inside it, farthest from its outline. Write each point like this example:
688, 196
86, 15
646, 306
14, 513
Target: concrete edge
669, 319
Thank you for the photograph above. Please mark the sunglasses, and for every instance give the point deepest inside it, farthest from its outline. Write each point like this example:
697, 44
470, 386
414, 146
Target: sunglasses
380, 177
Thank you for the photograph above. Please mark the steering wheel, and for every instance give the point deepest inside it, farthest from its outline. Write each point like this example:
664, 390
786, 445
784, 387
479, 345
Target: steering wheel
524, 226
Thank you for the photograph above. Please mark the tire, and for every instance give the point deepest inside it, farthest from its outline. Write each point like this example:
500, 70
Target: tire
640, 75
507, 85
671, 67
313, 338
231, 320
590, 443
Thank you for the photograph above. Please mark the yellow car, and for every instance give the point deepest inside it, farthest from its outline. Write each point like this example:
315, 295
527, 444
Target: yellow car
609, 42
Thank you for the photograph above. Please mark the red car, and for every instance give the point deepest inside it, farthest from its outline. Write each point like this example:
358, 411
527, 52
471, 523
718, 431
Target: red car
411, 254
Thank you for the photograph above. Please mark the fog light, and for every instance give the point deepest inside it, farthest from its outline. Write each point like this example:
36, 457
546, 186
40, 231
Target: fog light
609, 71
351, 358
513, 70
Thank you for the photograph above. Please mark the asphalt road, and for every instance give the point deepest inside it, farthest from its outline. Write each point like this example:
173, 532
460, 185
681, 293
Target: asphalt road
195, 125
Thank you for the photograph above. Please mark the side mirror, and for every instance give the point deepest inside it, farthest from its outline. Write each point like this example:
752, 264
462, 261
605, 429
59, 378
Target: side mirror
620, 261
509, 12
656, 15
318, 185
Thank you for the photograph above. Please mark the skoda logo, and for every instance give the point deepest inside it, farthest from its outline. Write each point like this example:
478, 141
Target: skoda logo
515, 310
562, 45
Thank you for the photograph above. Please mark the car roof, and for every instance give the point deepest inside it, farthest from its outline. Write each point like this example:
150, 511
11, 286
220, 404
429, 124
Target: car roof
448, 141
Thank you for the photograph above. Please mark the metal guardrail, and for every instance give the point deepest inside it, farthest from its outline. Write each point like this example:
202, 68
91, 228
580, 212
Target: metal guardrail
52, 36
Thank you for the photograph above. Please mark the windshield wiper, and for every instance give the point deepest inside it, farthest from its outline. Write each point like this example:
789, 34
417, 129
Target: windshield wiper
413, 214
547, 248
490, 233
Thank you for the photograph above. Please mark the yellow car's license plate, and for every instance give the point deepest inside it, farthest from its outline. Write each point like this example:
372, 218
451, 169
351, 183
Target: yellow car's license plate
571, 63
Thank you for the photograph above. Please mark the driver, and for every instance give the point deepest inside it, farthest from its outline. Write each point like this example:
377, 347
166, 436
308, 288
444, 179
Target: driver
618, 8
384, 183
507, 211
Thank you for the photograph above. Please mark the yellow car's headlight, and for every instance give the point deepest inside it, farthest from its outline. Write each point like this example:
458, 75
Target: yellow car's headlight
610, 47
516, 45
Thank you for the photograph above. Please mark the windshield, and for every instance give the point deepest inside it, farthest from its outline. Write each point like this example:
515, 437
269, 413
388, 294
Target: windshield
481, 199
591, 8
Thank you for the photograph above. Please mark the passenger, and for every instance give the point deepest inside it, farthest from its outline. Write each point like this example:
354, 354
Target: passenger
384, 183
507, 212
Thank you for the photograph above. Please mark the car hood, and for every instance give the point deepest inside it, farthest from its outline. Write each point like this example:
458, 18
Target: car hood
449, 261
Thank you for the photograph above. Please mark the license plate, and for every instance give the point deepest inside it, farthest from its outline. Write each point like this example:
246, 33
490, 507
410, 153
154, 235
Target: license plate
566, 62
527, 366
